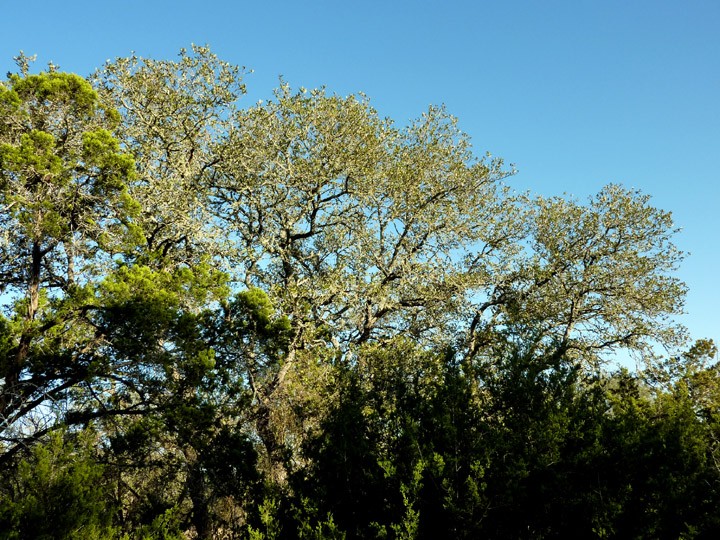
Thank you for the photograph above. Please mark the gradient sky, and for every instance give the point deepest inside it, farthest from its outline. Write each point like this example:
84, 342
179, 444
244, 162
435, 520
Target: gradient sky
575, 93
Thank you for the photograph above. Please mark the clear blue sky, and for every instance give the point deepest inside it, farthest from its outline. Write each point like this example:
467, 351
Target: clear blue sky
576, 93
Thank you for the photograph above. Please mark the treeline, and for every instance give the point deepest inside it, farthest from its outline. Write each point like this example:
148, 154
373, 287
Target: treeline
298, 320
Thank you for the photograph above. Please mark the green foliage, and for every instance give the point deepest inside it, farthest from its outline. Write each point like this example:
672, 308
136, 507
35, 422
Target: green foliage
299, 320
257, 316
62, 173
167, 526
58, 492
267, 511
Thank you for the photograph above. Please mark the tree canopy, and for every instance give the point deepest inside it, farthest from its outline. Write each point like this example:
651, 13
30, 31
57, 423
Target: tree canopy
298, 319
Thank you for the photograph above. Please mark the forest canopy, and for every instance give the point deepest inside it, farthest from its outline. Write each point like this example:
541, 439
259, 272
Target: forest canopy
299, 319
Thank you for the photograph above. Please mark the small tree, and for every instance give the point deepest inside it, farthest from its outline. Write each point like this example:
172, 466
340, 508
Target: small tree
58, 492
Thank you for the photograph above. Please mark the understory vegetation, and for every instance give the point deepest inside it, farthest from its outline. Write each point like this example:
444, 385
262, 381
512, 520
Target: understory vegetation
297, 319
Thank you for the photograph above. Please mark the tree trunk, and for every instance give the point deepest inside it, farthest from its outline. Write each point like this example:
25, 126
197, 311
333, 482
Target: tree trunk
200, 518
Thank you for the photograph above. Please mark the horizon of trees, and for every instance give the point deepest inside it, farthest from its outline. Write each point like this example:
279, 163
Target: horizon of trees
297, 319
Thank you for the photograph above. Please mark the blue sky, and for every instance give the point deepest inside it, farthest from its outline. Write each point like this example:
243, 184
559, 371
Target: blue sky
575, 93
